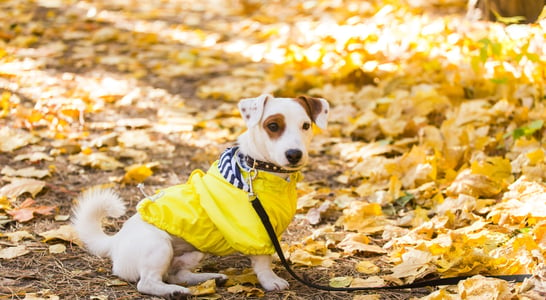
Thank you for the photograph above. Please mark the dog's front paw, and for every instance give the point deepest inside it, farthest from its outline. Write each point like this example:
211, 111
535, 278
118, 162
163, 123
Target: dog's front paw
272, 282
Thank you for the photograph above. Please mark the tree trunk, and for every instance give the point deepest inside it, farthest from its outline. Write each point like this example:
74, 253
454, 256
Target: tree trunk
490, 9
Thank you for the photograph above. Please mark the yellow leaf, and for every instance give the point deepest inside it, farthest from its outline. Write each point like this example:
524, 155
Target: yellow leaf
535, 157
367, 267
480, 287
496, 168
4, 203
136, 174
363, 217
303, 257
415, 264
246, 290
205, 288
245, 278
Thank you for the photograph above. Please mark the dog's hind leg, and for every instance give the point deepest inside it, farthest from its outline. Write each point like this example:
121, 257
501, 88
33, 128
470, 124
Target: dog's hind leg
153, 269
181, 273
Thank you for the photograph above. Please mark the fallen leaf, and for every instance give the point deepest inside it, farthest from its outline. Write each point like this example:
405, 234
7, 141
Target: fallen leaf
303, 257
17, 236
137, 174
359, 243
372, 281
367, 267
4, 203
415, 264
116, 282
25, 172
13, 252
205, 288
338, 282
25, 212
246, 290
11, 139
96, 160
64, 232
20, 186
367, 297
57, 248
480, 287
33, 157
245, 278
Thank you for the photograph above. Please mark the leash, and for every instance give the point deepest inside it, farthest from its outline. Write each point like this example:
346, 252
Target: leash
271, 233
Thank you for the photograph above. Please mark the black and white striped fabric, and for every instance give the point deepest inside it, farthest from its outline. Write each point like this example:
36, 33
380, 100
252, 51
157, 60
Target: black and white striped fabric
229, 166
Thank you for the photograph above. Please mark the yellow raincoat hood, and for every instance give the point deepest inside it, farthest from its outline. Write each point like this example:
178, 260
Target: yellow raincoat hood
217, 217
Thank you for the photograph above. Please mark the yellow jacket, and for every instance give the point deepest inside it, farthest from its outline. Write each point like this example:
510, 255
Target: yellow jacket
216, 217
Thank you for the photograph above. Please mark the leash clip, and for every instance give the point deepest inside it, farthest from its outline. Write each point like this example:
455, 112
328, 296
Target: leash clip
252, 173
140, 187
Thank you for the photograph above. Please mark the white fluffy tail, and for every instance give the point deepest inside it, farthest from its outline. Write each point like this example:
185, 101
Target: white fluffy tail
93, 205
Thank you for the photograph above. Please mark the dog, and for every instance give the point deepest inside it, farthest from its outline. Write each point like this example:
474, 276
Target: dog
160, 245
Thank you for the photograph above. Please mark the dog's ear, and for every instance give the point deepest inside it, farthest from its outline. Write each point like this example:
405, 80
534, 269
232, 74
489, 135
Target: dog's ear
317, 109
252, 109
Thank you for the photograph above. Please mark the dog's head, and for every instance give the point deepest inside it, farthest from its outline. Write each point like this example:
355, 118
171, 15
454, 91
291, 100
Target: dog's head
280, 129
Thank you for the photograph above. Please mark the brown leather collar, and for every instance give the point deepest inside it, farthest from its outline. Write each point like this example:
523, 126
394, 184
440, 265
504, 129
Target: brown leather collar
265, 166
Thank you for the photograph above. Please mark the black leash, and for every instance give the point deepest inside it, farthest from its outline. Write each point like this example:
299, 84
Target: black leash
434, 282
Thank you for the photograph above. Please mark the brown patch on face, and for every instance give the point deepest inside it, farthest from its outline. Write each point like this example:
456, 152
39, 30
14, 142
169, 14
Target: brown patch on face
274, 125
312, 106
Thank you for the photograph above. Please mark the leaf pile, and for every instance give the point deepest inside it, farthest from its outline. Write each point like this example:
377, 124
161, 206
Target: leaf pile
433, 163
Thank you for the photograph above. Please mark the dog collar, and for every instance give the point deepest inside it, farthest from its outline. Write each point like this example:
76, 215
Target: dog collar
265, 166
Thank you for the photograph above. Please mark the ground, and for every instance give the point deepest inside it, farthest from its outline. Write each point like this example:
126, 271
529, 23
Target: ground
436, 135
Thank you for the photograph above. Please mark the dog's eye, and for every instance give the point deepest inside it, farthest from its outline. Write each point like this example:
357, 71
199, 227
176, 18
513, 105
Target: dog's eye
306, 126
273, 127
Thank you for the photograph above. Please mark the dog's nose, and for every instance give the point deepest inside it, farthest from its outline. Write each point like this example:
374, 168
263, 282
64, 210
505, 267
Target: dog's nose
293, 155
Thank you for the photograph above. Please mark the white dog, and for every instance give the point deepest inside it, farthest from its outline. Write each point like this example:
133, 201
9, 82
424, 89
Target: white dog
164, 241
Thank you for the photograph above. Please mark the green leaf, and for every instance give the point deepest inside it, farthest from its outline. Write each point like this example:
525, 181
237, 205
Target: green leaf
527, 130
402, 201
341, 281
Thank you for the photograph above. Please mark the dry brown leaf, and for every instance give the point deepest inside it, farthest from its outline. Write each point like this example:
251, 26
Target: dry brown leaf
33, 157
303, 257
96, 160
17, 236
25, 212
57, 248
359, 243
13, 252
20, 186
372, 281
11, 139
25, 172
246, 291
64, 232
